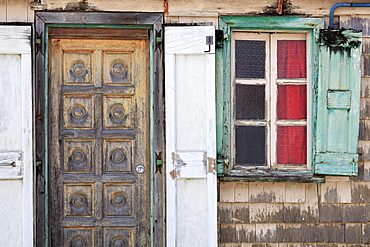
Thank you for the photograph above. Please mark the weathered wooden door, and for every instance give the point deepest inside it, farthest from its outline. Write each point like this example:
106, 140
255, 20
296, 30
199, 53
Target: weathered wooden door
99, 142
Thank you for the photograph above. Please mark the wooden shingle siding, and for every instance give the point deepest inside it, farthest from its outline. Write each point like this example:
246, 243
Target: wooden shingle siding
365, 66
332, 222
3, 11
356, 23
364, 133
366, 45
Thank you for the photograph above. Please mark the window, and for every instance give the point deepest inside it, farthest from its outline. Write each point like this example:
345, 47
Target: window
270, 99
287, 98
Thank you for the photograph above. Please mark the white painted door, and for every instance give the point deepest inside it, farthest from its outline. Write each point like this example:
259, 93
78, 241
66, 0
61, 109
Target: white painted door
16, 183
190, 136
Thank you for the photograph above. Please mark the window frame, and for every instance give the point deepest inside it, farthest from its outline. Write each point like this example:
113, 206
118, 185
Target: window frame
271, 82
225, 84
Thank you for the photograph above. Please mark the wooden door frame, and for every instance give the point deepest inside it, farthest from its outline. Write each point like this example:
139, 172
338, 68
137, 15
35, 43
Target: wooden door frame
151, 21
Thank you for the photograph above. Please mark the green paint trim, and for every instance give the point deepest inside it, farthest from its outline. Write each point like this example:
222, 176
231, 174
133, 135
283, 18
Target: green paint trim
271, 23
223, 76
284, 179
138, 26
223, 103
46, 138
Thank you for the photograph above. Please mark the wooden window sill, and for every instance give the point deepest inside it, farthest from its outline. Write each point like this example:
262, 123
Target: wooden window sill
288, 176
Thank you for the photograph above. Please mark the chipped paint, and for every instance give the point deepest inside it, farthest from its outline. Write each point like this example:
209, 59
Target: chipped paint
173, 174
246, 233
81, 6
211, 165
331, 195
340, 39
173, 157
360, 193
281, 7
358, 23
264, 197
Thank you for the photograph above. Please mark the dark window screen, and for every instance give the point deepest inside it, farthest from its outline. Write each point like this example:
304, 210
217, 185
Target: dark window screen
249, 102
250, 145
250, 58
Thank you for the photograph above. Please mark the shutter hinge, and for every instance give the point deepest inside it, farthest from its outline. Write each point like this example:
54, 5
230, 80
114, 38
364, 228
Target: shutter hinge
220, 38
158, 39
222, 165
158, 162
39, 42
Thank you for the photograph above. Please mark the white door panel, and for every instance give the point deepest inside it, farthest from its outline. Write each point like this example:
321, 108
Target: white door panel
190, 136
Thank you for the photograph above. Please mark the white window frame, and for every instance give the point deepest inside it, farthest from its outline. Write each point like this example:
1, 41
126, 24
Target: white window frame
271, 37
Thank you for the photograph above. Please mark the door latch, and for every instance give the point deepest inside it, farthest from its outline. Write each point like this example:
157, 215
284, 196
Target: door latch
10, 164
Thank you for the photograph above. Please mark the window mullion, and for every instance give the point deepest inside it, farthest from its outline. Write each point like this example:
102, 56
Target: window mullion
273, 104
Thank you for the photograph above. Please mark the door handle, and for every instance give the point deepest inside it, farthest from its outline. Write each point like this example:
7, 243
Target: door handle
140, 169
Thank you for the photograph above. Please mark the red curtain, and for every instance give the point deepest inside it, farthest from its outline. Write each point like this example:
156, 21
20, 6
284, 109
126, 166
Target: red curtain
292, 145
291, 102
291, 61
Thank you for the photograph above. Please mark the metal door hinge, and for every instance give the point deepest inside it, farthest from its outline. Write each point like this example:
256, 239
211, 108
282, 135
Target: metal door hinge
158, 162
219, 38
222, 165
158, 39
39, 42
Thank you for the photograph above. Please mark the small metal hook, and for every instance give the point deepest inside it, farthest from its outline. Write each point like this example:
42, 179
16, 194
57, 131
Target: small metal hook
209, 42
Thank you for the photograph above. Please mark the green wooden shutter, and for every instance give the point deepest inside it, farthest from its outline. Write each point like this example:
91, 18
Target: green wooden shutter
338, 103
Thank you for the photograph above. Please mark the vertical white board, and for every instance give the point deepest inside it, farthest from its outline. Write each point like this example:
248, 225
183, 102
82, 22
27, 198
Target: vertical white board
16, 138
190, 136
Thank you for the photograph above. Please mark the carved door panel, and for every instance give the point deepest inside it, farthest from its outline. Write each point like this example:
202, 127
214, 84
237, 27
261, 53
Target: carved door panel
99, 134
